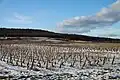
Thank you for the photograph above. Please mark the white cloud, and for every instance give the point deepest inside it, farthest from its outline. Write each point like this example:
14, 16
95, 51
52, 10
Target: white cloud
111, 32
106, 17
20, 19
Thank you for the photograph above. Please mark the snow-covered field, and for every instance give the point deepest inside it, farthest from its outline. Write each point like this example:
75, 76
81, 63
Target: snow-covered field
64, 73
48, 62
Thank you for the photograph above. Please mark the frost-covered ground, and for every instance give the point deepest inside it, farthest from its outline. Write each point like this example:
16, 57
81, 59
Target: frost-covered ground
107, 72
101, 63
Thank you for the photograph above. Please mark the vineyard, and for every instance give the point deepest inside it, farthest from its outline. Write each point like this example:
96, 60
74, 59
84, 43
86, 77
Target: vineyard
55, 59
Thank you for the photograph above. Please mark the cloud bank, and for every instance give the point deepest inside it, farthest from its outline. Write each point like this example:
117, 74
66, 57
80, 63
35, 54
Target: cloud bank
106, 17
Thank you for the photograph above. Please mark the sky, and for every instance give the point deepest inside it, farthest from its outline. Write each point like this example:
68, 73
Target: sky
87, 17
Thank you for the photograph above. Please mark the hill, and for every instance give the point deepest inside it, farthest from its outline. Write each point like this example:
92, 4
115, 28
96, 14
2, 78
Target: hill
11, 32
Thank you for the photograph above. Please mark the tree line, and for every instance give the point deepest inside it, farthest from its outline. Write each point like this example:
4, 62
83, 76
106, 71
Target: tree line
12, 32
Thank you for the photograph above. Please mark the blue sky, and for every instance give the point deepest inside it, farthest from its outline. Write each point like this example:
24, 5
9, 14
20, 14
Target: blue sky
68, 16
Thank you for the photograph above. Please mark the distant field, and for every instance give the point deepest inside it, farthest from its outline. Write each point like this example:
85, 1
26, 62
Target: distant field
107, 45
60, 42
